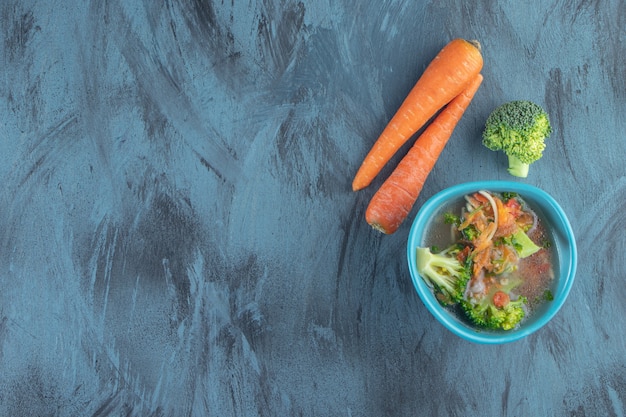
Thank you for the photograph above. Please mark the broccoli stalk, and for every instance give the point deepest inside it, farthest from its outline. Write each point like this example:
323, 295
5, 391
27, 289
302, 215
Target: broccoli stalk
519, 129
516, 167
445, 273
523, 244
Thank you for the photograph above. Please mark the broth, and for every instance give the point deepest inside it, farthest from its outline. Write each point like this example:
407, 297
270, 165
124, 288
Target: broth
536, 270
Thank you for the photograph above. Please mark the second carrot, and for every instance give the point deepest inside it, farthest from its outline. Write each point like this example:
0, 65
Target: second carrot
394, 200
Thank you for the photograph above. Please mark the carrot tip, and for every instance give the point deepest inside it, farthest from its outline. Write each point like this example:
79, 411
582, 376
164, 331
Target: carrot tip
378, 227
476, 44
358, 183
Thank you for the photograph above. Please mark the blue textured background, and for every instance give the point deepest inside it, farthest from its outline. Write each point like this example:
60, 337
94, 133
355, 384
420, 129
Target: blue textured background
178, 236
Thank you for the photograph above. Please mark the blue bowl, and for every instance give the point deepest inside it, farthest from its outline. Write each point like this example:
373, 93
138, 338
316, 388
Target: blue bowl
565, 245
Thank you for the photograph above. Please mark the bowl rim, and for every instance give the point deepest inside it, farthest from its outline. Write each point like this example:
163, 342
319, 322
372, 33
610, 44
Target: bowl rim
532, 194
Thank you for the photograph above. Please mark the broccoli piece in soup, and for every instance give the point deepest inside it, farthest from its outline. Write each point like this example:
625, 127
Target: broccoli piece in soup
494, 309
444, 272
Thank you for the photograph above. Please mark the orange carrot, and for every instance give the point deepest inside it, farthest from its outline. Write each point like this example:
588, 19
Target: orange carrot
393, 201
501, 299
446, 76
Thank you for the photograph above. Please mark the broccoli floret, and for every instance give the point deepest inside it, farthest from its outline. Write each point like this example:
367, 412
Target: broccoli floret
519, 129
444, 272
485, 314
513, 313
451, 218
507, 195
470, 232
482, 310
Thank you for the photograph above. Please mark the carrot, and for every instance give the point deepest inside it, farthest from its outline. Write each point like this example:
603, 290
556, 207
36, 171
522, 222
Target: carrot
501, 299
391, 204
445, 77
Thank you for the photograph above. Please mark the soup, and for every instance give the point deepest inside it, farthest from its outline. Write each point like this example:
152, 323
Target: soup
506, 245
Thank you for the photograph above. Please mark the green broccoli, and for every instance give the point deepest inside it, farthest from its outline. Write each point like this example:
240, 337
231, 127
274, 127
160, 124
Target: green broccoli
519, 129
470, 232
485, 314
483, 311
523, 244
447, 275
451, 218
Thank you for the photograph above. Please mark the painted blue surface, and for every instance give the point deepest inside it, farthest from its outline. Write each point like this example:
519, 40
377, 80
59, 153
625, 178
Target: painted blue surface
178, 236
